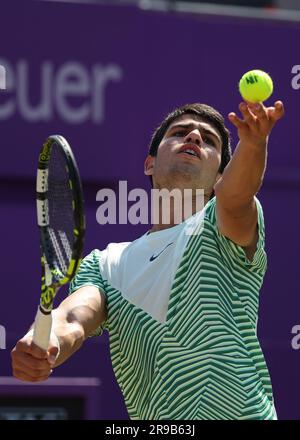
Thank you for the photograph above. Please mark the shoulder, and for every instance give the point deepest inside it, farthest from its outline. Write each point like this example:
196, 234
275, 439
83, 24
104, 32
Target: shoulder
210, 211
232, 252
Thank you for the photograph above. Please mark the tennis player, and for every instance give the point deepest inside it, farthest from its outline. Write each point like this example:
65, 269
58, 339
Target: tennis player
181, 309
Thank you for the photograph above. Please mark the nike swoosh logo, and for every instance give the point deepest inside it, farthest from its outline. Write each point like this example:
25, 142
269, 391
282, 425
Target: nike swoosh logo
157, 255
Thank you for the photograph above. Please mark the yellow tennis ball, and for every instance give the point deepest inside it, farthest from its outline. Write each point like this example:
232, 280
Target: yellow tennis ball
256, 86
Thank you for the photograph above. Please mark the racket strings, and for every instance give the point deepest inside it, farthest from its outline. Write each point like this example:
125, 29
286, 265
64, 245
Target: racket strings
60, 235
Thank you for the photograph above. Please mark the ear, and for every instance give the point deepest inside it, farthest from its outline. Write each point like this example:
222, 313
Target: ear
149, 165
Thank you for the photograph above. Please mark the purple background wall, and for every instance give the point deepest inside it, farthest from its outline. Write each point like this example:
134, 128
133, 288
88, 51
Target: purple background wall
133, 67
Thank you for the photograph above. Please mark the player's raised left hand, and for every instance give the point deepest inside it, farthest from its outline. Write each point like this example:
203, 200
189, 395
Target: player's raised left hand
257, 122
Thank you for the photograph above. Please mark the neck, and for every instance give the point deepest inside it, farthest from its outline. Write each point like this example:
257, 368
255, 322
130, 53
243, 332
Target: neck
171, 207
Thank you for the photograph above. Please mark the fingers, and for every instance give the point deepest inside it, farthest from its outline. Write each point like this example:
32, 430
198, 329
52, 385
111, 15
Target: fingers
28, 346
236, 120
249, 118
26, 367
257, 117
52, 355
29, 362
261, 114
248, 114
276, 112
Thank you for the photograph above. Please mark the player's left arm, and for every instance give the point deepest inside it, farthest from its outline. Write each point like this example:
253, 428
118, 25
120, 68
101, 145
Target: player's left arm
236, 209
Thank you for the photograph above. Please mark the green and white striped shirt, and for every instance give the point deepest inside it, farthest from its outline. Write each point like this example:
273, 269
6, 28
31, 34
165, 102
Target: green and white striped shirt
204, 361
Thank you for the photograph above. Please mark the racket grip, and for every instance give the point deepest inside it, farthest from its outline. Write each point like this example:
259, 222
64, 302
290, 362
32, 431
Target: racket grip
42, 329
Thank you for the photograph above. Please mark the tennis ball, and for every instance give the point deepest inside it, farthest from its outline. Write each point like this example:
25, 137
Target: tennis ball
256, 86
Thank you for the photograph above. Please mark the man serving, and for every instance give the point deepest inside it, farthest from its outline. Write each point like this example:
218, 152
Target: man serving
180, 307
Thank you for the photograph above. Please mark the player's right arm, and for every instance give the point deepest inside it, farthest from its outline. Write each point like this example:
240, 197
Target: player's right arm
74, 320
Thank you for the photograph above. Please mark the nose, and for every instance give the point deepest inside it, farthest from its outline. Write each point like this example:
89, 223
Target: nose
193, 137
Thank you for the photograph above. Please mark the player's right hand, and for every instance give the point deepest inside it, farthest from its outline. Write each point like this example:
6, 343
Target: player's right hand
32, 364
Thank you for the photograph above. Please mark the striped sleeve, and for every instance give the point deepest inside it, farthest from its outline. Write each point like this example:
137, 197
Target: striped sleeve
89, 275
231, 250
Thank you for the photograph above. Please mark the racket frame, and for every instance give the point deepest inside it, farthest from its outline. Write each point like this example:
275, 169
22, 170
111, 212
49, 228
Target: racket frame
51, 283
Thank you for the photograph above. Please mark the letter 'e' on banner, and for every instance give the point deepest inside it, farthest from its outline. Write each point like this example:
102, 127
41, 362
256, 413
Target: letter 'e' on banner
2, 78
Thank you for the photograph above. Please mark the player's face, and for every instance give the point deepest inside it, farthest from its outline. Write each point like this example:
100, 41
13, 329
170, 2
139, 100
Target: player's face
188, 156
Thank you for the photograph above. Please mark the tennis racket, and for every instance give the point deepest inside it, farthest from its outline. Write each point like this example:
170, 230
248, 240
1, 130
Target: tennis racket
60, 217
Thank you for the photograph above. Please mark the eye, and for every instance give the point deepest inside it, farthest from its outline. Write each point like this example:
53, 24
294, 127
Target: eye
208, 140
178, 133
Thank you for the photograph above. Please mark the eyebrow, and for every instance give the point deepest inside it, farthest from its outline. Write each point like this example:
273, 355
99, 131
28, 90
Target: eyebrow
192, 125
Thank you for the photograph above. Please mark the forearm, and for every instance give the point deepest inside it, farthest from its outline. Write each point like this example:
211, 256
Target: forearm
243, 176
66, 334
78, 316
69, 332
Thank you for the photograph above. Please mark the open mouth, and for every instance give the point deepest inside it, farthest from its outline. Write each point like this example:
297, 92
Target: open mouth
190, 153
190, 150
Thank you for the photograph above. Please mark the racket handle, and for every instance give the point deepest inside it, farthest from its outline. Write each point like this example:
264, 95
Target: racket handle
42, 329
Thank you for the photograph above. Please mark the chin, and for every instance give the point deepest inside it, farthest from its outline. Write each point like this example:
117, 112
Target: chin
180, 175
